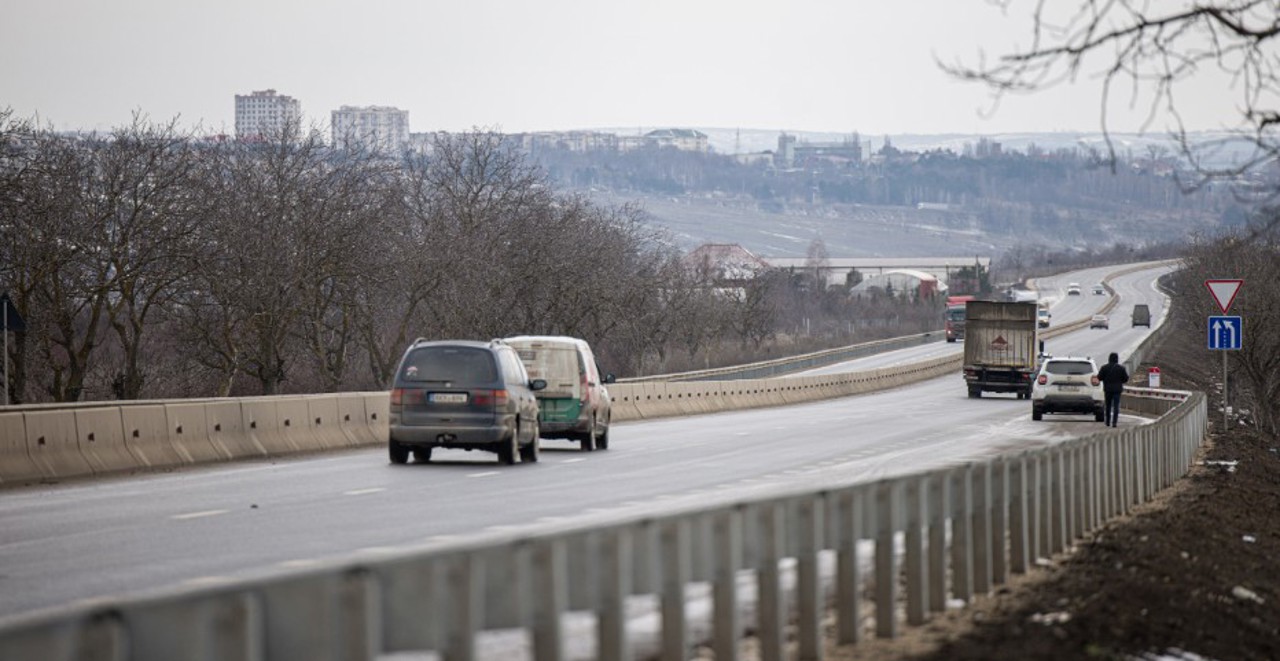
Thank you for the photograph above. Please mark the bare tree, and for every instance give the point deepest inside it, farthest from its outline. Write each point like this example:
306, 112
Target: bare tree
1151, 49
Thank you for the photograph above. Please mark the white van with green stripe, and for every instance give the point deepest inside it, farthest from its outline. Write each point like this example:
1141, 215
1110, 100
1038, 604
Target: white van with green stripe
575, 404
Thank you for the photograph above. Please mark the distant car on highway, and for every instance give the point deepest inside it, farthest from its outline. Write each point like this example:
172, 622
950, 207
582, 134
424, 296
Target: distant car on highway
575, 405
1073, 289
1099, 321
463, 394
1067, 385
1042, 318
1099, 290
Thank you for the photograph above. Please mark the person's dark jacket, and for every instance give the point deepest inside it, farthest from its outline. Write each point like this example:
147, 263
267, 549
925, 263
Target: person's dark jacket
1113, 377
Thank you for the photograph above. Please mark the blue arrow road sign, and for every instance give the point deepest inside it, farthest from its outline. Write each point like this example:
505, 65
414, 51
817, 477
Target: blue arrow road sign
1226, 333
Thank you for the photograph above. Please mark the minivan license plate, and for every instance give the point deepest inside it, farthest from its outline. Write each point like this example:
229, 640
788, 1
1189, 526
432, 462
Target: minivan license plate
448, 397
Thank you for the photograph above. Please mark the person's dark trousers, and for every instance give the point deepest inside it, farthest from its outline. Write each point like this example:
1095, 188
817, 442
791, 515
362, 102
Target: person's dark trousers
1111, 414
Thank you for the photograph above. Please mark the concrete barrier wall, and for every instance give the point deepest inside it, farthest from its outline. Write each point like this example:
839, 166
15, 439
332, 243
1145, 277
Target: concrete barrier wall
933, 538
64, 441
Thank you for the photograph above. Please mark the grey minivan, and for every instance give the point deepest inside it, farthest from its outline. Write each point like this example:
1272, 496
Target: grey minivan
1141, 315
463, 394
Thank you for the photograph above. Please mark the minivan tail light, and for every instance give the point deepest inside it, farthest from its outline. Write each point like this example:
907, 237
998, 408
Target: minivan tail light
495, 398
397, 396
586, 390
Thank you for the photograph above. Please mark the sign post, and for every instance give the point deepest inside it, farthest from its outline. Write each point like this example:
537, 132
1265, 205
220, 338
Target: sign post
1225, 333
10, 320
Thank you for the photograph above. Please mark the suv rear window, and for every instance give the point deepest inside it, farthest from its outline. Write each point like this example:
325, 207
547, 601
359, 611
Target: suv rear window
460, 364
1070, 367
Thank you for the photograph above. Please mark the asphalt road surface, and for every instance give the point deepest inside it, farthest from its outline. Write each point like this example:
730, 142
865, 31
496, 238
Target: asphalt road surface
88, 541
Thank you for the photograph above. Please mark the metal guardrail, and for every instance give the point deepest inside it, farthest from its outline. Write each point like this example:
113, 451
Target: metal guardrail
964, 529
790, 364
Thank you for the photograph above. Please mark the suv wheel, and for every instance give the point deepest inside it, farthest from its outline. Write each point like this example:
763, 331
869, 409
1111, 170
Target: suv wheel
589, 439
602, 443
398, 453
1098, 415
1036, 414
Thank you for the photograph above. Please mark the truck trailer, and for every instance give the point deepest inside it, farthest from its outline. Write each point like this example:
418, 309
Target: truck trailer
1000, 347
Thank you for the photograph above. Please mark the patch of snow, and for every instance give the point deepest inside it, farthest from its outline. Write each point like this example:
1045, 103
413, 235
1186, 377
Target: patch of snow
1245, 594
1059, 617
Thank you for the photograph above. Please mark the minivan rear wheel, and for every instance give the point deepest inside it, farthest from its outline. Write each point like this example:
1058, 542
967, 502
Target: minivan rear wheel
398, 453
507, 448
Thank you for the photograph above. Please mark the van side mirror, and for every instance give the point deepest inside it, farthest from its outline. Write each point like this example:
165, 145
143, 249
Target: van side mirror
537, 384
609, 378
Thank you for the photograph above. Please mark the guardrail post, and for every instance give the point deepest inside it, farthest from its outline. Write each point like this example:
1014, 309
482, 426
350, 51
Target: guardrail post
999, 521
675, 575
809, 582
1058, 481
961, 535
1019, 499
728, 559
981, 529
360, 613
939, 508
615, 587
770, 605
1074, 492
848, 574
887, 496
550, 594
917, 513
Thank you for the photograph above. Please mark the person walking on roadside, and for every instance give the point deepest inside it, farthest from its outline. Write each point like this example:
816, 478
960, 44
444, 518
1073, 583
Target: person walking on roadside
1113, 376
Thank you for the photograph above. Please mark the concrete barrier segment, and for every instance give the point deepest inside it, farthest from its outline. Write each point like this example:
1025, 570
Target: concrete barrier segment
15, 462
192, 426
52, 444
296, 425
377, 409
100, 433
261, 418
352, 419
622, 397
146, 434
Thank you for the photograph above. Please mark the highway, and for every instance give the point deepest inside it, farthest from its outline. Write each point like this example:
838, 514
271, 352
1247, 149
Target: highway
87, 541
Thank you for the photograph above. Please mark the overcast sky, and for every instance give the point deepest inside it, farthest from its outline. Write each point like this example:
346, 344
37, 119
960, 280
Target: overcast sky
524, 65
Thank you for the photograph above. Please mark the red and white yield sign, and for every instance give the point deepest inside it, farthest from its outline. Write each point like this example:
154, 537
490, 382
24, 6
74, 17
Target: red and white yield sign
1224, 292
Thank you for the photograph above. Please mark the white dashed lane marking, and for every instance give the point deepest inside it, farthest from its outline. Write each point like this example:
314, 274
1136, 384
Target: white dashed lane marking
484, 474
361, 492
198, 515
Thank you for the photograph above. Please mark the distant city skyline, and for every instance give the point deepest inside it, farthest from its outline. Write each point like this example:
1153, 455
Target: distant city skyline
811, 65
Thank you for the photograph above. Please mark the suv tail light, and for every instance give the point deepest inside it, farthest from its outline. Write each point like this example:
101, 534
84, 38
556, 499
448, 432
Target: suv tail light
1043, 379
1094, 380
494, 398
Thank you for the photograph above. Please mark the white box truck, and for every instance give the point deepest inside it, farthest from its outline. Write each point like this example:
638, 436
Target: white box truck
1000, 349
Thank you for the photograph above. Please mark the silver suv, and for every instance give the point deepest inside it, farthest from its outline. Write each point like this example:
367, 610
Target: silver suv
467, 395
1067, 385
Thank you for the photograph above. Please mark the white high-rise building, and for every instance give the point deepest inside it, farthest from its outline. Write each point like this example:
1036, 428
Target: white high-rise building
379, 128
265, 113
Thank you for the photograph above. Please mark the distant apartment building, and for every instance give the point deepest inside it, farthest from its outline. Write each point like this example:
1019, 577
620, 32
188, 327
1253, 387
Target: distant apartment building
575, 141
682, 139
378, 128
265, 113
792, 153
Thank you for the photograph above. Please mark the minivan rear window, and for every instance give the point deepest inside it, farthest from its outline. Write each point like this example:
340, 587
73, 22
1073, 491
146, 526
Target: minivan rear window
451, 364
1071, 367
